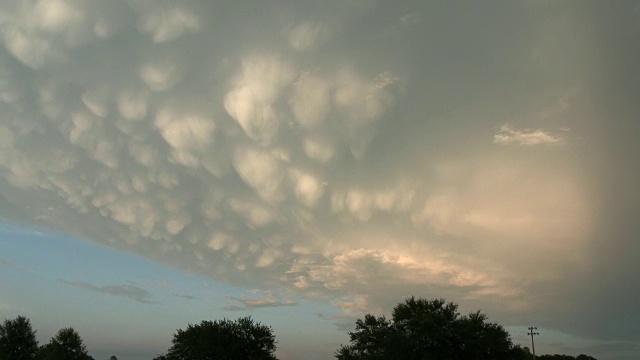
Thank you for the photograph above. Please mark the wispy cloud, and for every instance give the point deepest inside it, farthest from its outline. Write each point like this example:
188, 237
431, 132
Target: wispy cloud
268, 301
183, 296
524, 137
344, 321
7, 263
18, 267
127, 290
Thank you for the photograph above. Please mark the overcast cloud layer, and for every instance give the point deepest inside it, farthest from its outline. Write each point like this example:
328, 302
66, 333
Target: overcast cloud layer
353, 152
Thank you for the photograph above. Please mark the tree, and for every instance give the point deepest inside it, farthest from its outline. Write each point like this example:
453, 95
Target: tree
113, 357
521, 353
565, 357
17, 340
585, 357
427, 329
66, 344
225, 339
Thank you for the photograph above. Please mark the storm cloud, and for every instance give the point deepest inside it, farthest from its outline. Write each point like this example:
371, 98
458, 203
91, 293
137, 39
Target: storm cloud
352, 152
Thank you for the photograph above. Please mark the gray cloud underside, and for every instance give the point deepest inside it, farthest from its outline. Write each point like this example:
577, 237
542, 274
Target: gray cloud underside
351, 151
128, 291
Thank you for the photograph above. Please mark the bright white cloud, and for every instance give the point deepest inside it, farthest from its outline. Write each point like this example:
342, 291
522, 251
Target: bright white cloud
258, 87
188, 134
260, 170
308, 189
56, 15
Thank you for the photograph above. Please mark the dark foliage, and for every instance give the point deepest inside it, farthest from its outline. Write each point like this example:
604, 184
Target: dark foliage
67, 344
17, 340
223, 340
565, 357
428, 329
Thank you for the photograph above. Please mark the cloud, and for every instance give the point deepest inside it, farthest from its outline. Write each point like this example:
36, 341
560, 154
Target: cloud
183, 296
526, 137
128, 291
254, 303
309, 35
620, 348
409, 20
6, 263
17, 267
313, 151
169, 23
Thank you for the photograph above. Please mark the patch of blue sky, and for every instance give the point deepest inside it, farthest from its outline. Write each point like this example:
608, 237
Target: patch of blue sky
133, 299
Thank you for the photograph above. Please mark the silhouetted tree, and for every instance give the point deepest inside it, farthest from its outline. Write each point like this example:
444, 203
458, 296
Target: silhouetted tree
66, 344
17, 340
520, 353
427, 329
113, 357
565, 357
225, 340
584, 357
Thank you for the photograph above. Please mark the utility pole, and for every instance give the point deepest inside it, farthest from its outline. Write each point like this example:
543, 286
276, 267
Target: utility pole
533, 332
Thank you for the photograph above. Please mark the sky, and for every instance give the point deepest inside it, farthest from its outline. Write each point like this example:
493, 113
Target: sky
305, 163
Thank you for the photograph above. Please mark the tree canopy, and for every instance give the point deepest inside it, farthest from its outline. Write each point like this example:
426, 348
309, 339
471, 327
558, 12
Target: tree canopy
66, 344
428, 329
17, 340
223, 340
565, 357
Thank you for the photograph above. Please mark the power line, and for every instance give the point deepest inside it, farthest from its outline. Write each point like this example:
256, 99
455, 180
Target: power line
533, 332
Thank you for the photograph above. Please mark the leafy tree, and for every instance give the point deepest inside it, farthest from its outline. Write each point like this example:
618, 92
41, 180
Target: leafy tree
113, 357
427, 329
17, 340
223, 340
521, 353
66, 344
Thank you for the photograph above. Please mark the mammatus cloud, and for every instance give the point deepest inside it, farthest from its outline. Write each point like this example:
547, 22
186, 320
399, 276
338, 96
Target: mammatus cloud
128, 290
256, 166
337, 152
526, 137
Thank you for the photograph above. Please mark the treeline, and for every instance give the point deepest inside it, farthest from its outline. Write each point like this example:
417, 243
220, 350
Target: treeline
565, 357
18, 342
418, 329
